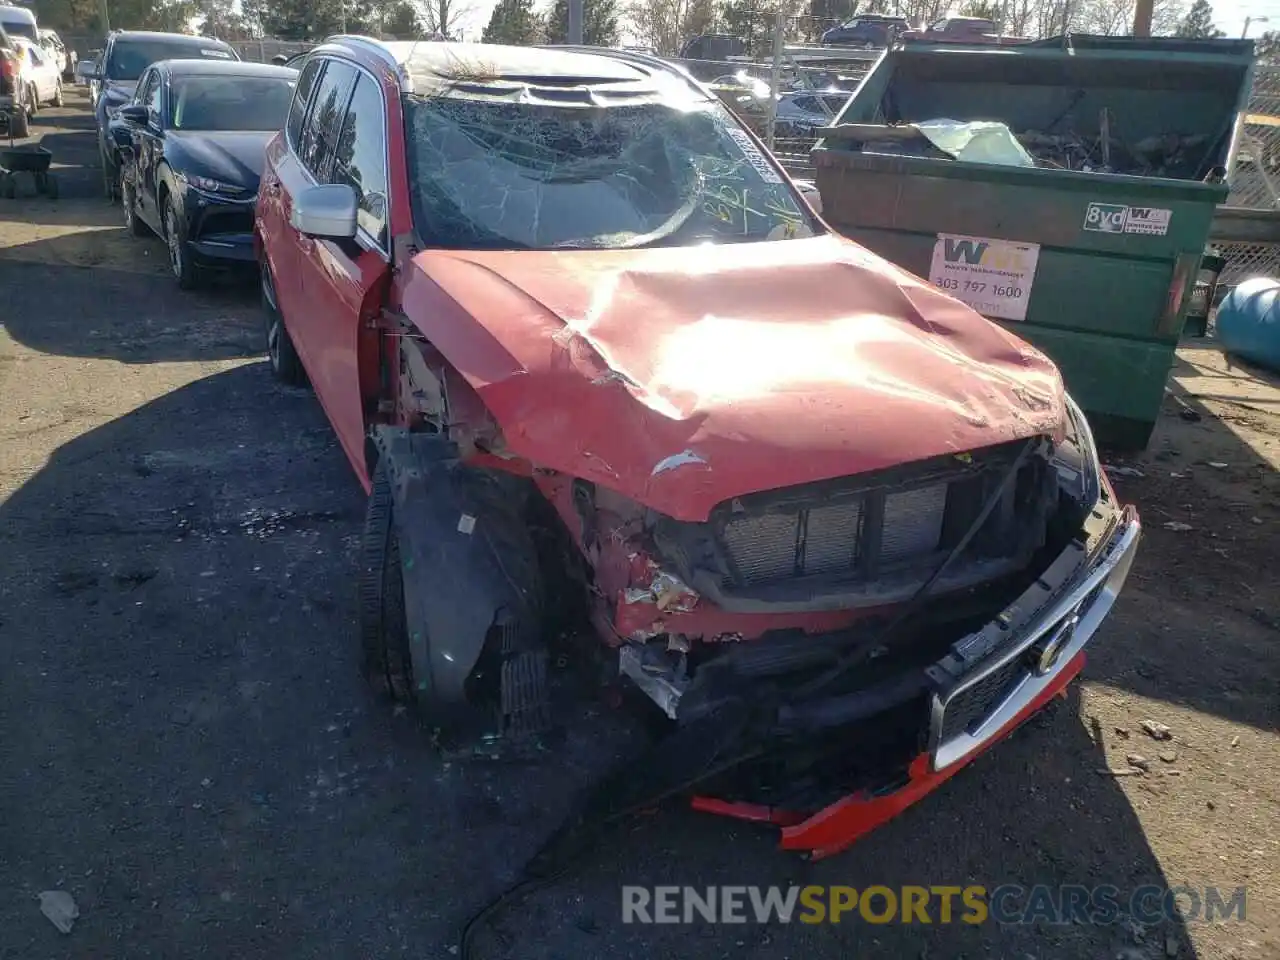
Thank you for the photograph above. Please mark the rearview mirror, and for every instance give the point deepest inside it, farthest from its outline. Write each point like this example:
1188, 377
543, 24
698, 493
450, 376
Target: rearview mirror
327, 211
809, 190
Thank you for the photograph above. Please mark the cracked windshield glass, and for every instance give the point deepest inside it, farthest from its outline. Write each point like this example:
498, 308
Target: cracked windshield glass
504, 175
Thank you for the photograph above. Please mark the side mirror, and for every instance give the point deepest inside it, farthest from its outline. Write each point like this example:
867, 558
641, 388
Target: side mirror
327, 211
134, 114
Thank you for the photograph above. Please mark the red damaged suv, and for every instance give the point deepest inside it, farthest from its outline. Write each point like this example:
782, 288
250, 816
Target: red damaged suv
589, 349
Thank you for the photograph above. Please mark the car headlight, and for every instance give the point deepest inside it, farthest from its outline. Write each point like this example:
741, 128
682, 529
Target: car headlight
1076, 459
210, 185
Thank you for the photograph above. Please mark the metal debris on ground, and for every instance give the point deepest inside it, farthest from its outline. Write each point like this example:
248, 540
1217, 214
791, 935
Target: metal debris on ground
60, 907
1177, 526
1156, 730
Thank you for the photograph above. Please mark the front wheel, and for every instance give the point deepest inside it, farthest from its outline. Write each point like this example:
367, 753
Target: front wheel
384, 632
57, 94
175, 236
33, 101
19, 123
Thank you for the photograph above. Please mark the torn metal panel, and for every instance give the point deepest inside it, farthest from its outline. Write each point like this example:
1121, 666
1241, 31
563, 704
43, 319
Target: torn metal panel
776, 364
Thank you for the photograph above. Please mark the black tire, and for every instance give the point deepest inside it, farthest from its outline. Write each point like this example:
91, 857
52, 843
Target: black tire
19, 123
384, 631
286, 365
33, 101
7, 187
128, 203
51, 186
110, 178
57, 94
181, 265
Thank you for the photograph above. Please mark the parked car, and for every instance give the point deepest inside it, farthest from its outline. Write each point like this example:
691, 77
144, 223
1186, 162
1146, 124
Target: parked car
590, 352
125, 57
964, 30
801, 112
713, 46
195, 132
60, 52
40, 75
867, 31
20, 23
13, 98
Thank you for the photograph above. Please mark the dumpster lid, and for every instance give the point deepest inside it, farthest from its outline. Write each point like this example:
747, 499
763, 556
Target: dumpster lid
1243, 49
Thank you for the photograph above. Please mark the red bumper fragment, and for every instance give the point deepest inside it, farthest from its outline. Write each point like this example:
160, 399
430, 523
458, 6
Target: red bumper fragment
837, 827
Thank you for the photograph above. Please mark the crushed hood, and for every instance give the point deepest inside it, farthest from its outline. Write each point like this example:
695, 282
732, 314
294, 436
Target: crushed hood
682, 377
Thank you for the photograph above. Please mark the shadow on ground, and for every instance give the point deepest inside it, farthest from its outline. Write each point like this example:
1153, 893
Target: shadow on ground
192, 755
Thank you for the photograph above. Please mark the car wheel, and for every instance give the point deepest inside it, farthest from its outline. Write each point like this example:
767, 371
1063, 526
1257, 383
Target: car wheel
384, 632
57, 94
285, 363
129, 201
19, 123
175, 236
33, 101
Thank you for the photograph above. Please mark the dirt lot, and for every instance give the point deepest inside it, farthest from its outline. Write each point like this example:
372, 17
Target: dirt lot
186, 746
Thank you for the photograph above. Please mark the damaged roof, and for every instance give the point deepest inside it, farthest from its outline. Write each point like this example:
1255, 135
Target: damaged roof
435, 67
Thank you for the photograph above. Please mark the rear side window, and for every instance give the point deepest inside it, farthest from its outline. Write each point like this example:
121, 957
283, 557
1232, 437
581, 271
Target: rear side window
301, 98
359, 160
324, 119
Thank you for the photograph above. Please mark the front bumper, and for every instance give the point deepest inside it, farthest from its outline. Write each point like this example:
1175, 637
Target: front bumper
219, 229
1048, 653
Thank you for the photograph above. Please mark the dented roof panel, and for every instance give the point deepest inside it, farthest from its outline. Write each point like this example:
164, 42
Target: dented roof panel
683, 377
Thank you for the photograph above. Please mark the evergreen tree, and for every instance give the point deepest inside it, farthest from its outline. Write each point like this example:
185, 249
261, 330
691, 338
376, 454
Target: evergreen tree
1198, 23
599, 22
401, 22
513, 22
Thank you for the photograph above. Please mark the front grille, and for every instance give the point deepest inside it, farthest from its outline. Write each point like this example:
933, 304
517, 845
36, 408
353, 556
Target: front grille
966, 710
896, 525
226, 221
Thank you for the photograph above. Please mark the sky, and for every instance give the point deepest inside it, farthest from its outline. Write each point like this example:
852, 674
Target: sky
1228, 14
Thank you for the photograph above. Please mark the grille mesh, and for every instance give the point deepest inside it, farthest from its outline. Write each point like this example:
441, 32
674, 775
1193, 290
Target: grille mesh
763, 547
913, 522
974, 704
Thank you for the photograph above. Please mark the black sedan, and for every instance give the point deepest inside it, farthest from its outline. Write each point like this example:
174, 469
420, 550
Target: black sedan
193, 141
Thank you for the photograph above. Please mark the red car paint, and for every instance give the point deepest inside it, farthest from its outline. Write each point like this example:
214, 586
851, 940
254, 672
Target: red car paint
675, 378
734, 369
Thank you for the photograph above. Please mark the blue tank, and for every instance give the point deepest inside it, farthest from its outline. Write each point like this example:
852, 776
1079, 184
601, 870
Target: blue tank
1249, 322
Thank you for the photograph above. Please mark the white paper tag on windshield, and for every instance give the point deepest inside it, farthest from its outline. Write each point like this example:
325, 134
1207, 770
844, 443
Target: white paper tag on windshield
754, 157
992, 276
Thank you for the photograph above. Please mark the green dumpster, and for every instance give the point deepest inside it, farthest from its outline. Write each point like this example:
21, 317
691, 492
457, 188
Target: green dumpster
1091, 253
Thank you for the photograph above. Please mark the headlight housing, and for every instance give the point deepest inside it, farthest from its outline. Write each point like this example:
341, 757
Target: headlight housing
1076, 459
216, 187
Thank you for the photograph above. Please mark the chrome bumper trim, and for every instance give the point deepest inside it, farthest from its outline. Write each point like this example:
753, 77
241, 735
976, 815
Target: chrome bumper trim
1107, 577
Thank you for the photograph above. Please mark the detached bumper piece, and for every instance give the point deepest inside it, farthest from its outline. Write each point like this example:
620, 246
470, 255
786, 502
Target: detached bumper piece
897, 742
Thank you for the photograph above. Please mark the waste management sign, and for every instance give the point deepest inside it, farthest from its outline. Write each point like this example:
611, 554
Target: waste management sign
992, 276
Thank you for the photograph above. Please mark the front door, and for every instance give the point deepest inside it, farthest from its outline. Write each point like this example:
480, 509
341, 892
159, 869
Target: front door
341, 281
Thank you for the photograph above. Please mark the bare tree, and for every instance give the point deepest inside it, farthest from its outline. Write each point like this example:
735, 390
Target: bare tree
665, 25
1114, 18
441, 18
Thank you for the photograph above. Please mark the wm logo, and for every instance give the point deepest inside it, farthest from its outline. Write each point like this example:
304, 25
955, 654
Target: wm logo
968, 251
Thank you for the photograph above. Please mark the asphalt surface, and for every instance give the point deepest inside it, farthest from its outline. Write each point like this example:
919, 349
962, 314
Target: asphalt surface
186, 746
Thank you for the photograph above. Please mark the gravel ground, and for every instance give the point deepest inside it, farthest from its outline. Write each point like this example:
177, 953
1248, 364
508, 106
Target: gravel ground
187, 749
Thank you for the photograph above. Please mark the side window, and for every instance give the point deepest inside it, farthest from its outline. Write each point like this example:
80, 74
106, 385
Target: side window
360, 159
154, 93
36, 59
144, 87
324, 119
301, 97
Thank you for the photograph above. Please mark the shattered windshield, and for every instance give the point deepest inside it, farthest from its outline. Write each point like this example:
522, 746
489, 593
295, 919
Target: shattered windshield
511, 175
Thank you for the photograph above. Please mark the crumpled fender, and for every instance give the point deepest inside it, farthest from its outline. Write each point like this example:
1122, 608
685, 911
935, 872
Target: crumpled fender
460, 580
